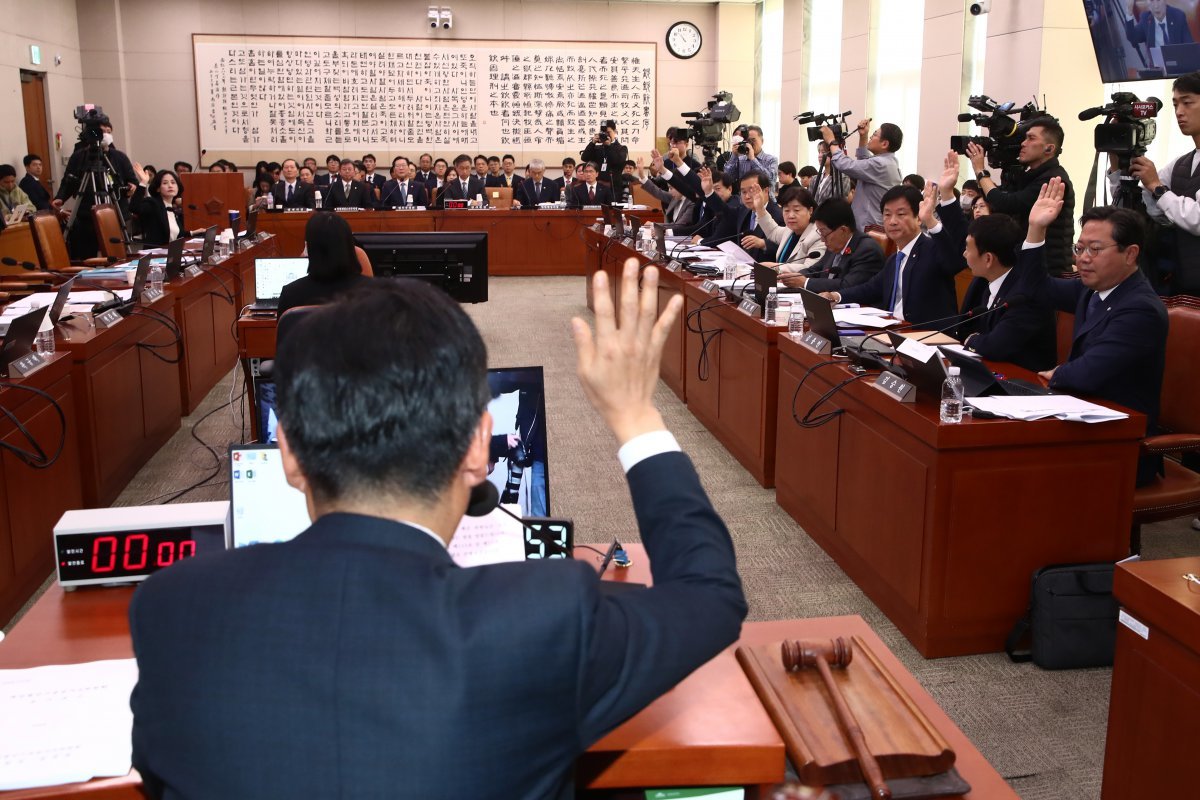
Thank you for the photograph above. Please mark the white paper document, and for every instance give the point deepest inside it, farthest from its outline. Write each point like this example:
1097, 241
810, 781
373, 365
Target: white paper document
64, 724
493, 539
1058, 406
958, 348
40, 299
735, 252
862, 318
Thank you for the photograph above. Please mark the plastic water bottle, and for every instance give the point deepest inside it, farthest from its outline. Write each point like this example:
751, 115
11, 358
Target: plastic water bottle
317, 198
44, 343
796, 319
772, 305
952, 398
155, 279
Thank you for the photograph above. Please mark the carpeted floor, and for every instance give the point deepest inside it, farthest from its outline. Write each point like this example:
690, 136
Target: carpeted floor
1043, 731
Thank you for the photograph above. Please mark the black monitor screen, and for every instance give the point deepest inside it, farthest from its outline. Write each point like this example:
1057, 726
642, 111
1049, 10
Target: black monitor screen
1133, 50
454, 260
264, 409
518, 449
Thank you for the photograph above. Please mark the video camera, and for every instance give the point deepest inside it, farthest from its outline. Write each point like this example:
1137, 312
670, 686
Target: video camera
90, 118
602, 135
836, 123
707, 128
1005, 134
1128, 127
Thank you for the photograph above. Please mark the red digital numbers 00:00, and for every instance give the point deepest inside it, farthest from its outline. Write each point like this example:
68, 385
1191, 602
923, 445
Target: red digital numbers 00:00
106, 550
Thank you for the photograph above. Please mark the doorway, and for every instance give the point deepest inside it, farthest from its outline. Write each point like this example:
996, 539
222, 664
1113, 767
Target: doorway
37, 121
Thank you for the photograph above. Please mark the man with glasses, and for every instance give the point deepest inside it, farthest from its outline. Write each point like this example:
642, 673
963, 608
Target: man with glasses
749, 156
851, 257
740, 224
874, 167
1119, 342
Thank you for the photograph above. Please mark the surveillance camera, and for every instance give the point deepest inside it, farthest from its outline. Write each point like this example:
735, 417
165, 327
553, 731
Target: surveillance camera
447, 19
980, 7
434, 16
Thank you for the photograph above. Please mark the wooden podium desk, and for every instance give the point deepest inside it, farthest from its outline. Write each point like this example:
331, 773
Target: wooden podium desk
32, 500
710, 730
943, 525
1155, 705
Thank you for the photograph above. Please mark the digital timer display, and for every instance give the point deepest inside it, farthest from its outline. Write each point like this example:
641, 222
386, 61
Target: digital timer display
101, 557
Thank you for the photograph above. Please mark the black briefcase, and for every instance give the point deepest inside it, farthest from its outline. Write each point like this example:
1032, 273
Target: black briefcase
1072, 618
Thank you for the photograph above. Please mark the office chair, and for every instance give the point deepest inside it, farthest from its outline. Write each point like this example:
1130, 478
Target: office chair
286, 323
51, 246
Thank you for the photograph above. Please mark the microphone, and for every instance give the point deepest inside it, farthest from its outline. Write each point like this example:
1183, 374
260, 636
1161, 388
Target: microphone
485, 497
966, 117
29, 265
691, 115
1090, 113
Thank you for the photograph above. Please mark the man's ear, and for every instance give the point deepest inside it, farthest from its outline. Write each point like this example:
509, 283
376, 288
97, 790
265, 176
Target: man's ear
291, 465
475, 462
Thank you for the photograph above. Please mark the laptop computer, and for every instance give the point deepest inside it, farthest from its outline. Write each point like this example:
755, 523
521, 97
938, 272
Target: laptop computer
979, 381
139, 283
60, 300
819, 311
18, 340
173, 267
1180, 59
263, 506
270, 276
927, 376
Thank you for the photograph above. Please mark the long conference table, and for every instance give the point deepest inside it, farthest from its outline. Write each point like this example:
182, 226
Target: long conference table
940, 525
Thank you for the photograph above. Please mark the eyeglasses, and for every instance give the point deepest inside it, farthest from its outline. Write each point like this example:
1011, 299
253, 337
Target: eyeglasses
1092, 250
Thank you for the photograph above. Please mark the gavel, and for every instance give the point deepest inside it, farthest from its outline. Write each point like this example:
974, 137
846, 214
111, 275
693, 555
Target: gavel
806, 654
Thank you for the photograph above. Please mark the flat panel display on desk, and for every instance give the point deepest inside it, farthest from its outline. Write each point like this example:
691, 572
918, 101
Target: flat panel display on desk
271, 97
1148, 47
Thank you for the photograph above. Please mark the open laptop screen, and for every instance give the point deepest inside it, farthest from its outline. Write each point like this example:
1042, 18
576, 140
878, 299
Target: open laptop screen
272, 274
518, 448
263, 507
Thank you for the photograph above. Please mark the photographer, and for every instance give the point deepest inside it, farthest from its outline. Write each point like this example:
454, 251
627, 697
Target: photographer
748, 155
610, 154
117, 172
826, 187
1039, 155
874, 167
1172, 193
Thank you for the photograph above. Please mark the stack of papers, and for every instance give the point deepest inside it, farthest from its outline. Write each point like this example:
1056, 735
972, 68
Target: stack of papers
863, 318
1058, 406
494, 539
66, 724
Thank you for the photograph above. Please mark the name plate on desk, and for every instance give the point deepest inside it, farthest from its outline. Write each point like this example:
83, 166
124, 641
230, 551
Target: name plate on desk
815, 342
297, 211
748, 306
107, 318
150, 295
709, 286
628, 241
674, 266
193, 271
895, 387
26, 365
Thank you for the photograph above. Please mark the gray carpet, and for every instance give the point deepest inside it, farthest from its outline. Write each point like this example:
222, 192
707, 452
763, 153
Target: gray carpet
1043, 731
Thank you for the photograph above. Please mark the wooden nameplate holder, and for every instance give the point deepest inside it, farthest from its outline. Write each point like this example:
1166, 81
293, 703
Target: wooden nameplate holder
897, 736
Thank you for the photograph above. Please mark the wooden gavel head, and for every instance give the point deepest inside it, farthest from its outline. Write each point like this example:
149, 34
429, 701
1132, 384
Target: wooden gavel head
804, 653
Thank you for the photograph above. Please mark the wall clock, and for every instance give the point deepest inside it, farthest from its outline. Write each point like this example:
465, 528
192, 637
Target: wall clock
684, 39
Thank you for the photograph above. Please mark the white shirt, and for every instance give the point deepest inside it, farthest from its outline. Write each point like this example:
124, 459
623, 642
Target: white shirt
172, 223
898, 311
994, 288
1183, 211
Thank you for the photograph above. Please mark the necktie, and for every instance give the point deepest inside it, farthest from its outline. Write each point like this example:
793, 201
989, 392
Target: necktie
403, 190
899, 259
464, 185
537, 191
787, 248
987, 299
289, 193
1162, 33
591, 191
346, 189
1095, 305
753, 221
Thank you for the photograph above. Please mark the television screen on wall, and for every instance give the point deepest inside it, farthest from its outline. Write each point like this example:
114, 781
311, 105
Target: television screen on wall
1159, 39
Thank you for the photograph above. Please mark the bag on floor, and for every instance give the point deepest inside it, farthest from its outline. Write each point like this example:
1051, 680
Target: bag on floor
1072, 618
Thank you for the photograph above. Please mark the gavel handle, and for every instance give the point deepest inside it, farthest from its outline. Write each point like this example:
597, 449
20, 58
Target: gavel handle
866, 762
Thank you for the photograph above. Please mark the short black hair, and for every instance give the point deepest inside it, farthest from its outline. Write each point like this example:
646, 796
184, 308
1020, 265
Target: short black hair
726, 180
788, 168
610, 124
461, 157
1051, 130
370, 156
493, 159
808, 171
330, 247
797, 194
1127, 227
442, 160
509, 156
179, 164
915, 181
261, 166
1188, 84
7, 171
835, 213
998, 234
274, 165
630, 163
479, 156
568, 160
345, 161
971, 186
397, 158
763, 181
284, 163
391, 369
891, 134
156, 182
913, 196
29, 159
333, 157
677, 133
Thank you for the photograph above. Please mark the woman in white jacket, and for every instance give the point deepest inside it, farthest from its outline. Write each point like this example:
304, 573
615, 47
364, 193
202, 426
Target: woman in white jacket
797, 243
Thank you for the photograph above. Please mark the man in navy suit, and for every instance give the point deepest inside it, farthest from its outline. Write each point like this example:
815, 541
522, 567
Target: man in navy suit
425, 173
1159, 24
346, 192
536, 188
333, 165
373, 178
589, 192
290, 191
462, 185
738, 222
31, 184
1119, 344
399, 190
358, 660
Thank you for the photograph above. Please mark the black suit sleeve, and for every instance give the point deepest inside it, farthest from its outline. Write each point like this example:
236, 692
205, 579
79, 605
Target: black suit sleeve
1017, 328
860, 266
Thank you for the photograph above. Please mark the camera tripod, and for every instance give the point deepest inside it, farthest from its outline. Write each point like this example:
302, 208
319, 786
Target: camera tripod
96, 187
827, 172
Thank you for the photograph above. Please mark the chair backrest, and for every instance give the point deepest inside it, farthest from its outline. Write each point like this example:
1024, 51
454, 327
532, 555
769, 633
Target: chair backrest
1180, 411
499, 196
289, 320
889, 247
108, 229
48, 241
1064, 333
644, 198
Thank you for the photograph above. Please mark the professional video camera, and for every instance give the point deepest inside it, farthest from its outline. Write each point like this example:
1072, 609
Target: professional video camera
1005, 134
602, 134
707, 128
1128, 126
836, 123
90, 118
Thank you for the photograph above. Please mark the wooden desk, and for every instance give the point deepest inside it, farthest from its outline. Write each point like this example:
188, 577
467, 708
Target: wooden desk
708, 730
32, 500
1155, 703
942, 525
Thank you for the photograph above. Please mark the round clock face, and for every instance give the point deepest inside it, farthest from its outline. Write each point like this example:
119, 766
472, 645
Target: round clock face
684, 40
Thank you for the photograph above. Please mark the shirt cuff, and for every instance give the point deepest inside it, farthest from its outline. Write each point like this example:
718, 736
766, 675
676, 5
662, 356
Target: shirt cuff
949, 202
935, 229
666, 174
639, 448
682, 169
1028, 245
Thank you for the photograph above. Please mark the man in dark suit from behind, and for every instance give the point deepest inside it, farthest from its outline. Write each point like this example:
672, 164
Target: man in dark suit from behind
1159, 24
400, 190
589, 192
342, 662
851, 257
536, 188
346, 192
1119, 342
31, 184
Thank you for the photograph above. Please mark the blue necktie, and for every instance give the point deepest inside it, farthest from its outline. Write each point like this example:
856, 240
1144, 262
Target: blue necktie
899, 261
787, 248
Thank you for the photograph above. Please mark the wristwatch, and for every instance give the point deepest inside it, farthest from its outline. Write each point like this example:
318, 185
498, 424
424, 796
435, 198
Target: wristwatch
1159, 191
983, 173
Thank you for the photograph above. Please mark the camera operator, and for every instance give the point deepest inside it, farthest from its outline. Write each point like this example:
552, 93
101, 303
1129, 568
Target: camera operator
827, 187
611, 155
124, 179
874, 167
1039, 155
748, 155
1172, 193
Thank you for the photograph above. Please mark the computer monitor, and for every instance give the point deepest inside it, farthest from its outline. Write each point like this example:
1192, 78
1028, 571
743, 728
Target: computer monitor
456, 261
139, 283
173, 267
18, 340
765, 279
272, 274
60, 300
518, 408
263, 506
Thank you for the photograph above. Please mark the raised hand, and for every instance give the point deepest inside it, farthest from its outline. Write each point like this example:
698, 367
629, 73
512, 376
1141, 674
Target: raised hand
928, 202
1046, 209
949, 178
706, 182
977, 156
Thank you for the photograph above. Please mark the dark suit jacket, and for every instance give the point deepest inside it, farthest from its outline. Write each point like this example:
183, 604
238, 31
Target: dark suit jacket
1024, 334
341, 663
1141, 31
856, 263
688, 185
428, 178
37, 193
308, 291
735, 223
361, 195
376, 180
529, 198
323, 179
453, 190
390, 195
303, 195
152, 215
578, 195
503, 181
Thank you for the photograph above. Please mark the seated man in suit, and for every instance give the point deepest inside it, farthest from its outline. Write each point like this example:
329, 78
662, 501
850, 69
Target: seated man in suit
740, 225
290, 191
425, 173
333, 166
917, 283
1158, 25
720, 198
1119, 343
463, 185
31, 184
372, 177
851, 257
589, 192
346, 192
340, 663
507, 177
400, 190
536, 188
567, 180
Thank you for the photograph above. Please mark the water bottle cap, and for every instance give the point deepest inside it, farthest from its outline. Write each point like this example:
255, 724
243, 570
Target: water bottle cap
954, 372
